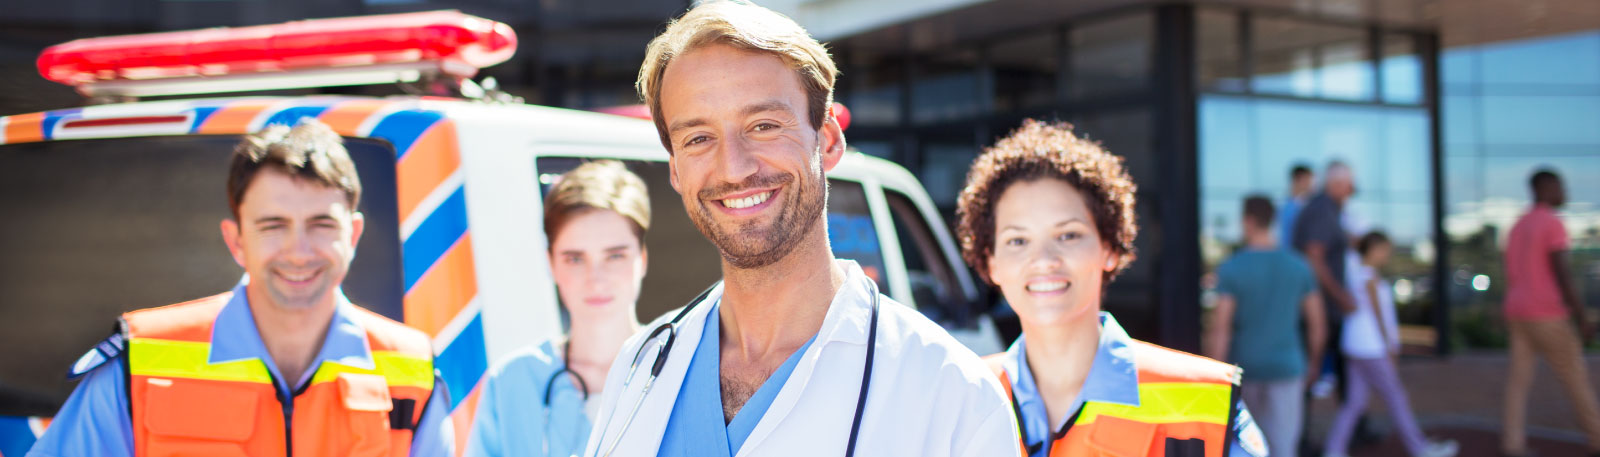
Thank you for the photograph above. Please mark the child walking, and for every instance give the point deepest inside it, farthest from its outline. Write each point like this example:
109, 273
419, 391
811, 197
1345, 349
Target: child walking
1370, 343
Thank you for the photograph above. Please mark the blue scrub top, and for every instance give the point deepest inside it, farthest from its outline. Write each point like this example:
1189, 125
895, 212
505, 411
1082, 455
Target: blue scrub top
94, 420
696, 427
512, 417
1113, 378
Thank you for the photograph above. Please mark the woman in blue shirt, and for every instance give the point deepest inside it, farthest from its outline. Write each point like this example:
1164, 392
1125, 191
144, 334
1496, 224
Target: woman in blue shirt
538, 401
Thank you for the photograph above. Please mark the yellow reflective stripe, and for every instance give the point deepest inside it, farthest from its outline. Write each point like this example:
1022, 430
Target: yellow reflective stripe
397, 369
1169, 403
188, 359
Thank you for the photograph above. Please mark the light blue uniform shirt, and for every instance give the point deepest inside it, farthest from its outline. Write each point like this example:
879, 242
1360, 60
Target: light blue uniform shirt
1113, 378
513, 418
696, 426
94, 420
1287, 214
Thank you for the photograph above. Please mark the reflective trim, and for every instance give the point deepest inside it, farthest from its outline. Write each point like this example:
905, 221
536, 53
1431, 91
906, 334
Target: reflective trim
188, 359
1169, 403
397, 369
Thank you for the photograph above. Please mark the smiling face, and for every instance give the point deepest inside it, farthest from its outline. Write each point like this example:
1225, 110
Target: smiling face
295, 238
598, 264
745, 159
1048, 259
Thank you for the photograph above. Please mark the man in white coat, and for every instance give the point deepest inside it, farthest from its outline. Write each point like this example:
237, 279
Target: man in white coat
796, 352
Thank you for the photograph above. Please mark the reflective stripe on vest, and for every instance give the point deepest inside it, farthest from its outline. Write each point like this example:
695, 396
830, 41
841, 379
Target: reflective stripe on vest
187, 359
181, 404
1182, 397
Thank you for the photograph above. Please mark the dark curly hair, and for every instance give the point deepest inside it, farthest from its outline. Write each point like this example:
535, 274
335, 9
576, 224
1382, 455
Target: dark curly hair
1040, 150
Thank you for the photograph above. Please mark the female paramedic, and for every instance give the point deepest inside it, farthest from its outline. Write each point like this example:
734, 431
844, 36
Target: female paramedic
1048, 218
539, 400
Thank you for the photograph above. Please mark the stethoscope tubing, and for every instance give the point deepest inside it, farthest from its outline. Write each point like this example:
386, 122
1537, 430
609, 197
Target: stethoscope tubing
665, 348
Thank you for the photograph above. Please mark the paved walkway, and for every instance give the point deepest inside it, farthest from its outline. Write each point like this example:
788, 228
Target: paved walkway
1460, 397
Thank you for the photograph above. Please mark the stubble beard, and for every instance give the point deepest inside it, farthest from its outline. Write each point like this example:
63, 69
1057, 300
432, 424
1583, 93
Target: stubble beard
751, 246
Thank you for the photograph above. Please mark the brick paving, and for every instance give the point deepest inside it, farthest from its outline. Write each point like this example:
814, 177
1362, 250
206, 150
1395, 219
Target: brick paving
1459, 397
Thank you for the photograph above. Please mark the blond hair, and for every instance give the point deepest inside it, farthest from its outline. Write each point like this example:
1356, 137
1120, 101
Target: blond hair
601, 185
310, 150
744, 26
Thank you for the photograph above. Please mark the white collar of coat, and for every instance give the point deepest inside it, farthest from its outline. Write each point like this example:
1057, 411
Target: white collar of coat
846, 322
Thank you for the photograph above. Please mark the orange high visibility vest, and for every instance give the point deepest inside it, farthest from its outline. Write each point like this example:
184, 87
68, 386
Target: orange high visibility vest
183, 405
1186, 407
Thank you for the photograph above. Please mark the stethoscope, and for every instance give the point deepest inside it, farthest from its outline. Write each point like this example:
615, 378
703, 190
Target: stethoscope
663, 337
549, 388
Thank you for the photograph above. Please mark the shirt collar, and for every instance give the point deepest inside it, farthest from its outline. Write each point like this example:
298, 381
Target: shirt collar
234, 335
1113, 376
850, 313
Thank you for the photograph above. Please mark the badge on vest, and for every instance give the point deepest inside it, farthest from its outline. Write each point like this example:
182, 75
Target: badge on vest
1251, 440
102, 352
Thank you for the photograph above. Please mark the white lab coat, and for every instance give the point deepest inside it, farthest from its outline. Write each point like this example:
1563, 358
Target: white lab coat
930, 396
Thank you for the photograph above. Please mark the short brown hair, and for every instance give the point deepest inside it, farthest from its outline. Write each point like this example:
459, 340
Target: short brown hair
744, 26
1258, 210
1372, 240
602, 185
1040, 150
309, 150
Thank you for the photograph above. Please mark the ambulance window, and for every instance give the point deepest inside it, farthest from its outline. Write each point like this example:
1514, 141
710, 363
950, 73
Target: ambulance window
851, 232
681, 262
933, 282
95, 228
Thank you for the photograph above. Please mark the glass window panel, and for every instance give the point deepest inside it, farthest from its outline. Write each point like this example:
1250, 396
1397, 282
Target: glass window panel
1463, 194
1402, 69
1310, 60
1542, 120
882, 149
1111, 56
1346, 68
1126, 133
1410, 173
944, 169
1461, 119
873, 92
1284, 53
1220, 63
1458, 67
1545, 60
946, 87
1025, 71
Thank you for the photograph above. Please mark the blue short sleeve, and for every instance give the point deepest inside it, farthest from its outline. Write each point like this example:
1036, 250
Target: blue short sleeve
94, 420
435, 435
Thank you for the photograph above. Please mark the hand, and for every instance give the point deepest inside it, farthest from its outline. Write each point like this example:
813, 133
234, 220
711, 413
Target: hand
1347, 304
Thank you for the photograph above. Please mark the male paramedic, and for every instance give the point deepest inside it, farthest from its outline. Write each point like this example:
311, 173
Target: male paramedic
796, 352
281, 365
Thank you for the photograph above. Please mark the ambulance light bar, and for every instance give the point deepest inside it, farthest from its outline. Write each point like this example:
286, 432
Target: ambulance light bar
298, 54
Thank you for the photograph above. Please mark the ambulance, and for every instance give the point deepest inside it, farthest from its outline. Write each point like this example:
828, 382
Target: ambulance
115, 205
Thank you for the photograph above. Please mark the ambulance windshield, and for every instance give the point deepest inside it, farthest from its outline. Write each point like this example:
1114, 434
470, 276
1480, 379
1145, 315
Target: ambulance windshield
94, 228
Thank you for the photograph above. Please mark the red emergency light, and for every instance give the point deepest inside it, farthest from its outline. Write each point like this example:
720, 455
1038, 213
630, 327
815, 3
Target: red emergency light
340, 51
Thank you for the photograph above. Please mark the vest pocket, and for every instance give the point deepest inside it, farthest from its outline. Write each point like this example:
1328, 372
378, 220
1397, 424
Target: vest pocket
197, 417
1120, 437
367, 404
